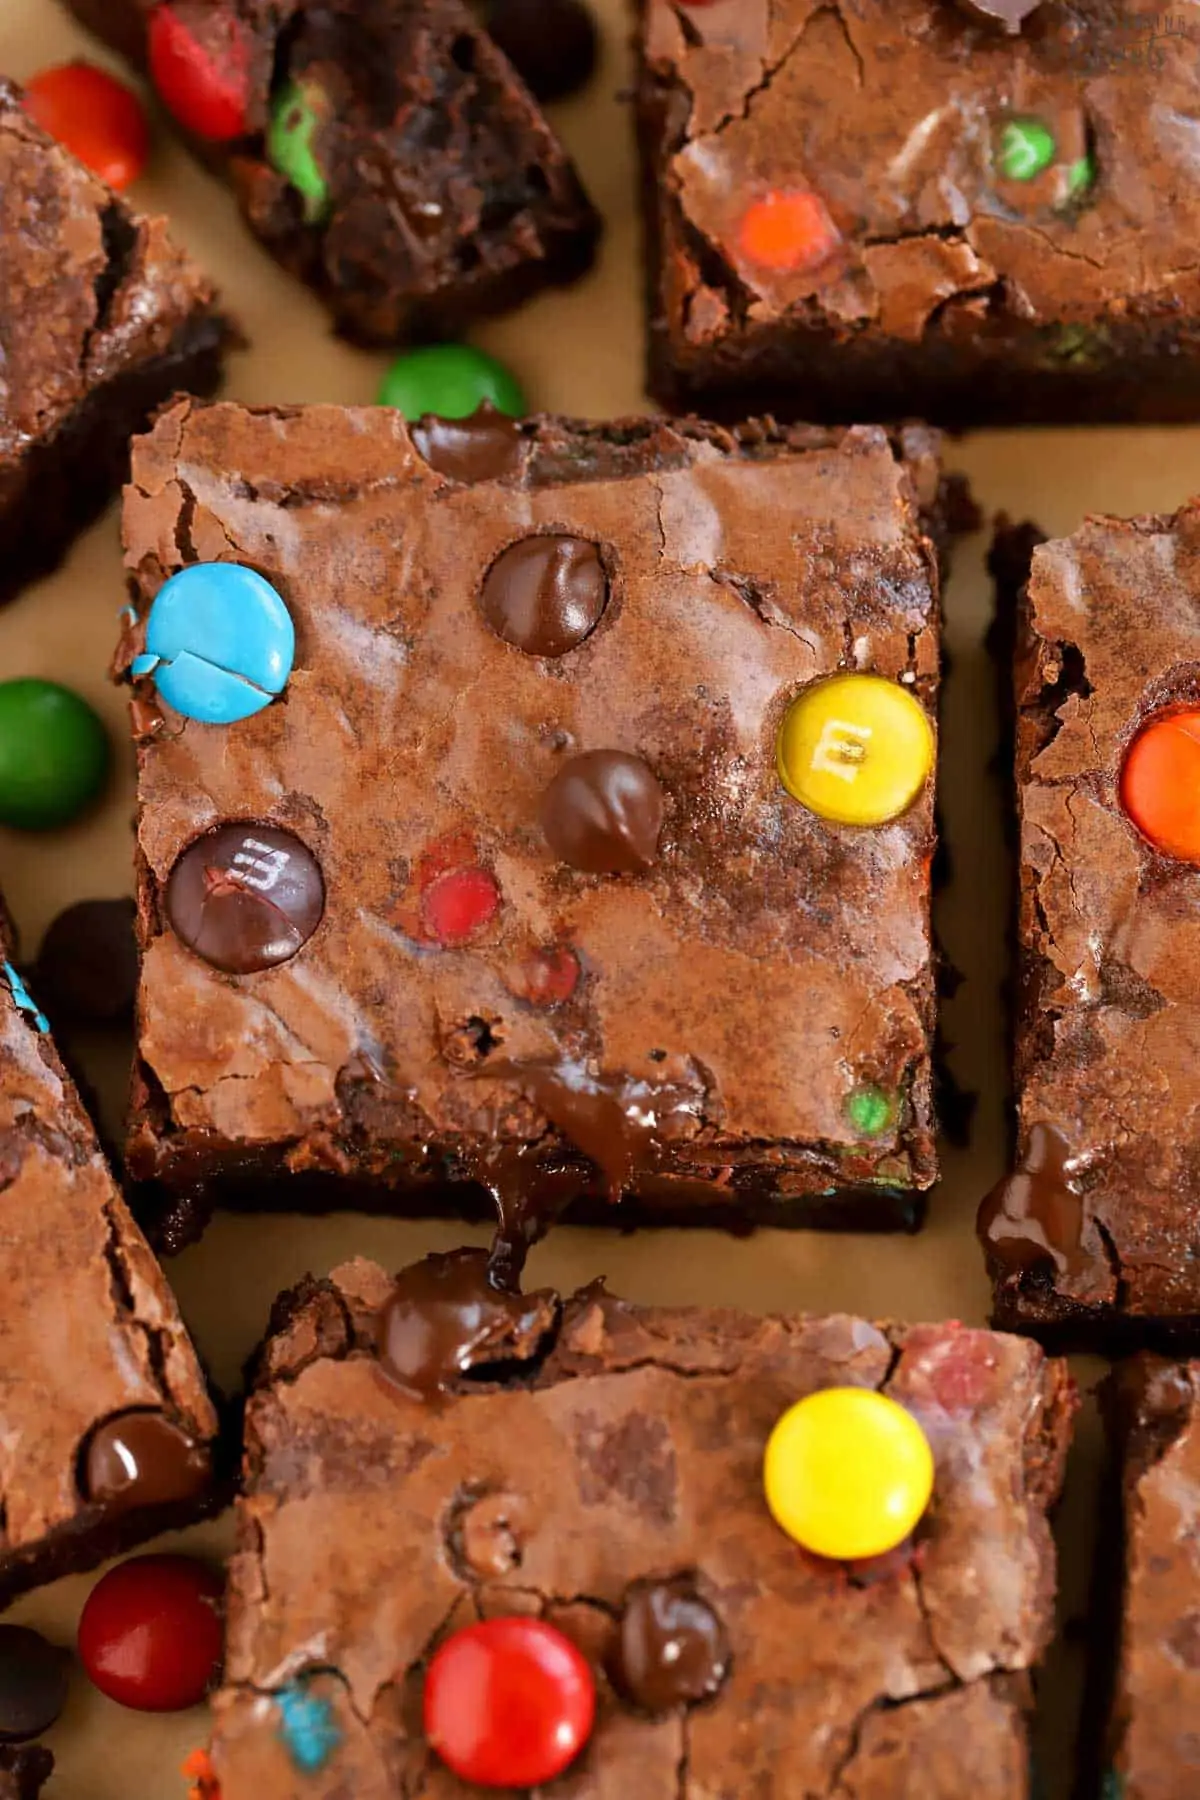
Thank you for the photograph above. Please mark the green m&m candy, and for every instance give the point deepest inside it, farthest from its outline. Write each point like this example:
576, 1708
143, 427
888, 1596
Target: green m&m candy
298, 113
53, 754
452, 381
870, 1109
1025, 149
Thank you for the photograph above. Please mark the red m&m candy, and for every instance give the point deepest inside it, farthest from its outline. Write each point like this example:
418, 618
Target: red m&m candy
788, 231
151, 1633
98, 118
203, 76
509, 1703
1160, 784
459, 903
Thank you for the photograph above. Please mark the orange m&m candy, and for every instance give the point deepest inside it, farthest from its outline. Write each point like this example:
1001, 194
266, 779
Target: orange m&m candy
98, 118
1160, 784
787, 231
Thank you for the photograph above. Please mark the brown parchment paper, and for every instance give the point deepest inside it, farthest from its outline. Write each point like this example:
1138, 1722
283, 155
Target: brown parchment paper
576, 351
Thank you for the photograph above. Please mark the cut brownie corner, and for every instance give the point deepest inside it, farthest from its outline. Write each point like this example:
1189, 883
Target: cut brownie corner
596, 1469
102, 318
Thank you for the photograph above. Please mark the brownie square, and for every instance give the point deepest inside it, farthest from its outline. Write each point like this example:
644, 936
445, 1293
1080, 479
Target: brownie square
739, 1025
1153, 1408
1092, 1239
102, 318
434, 190
106, 1427
24, 1771
896, 207
592, 1449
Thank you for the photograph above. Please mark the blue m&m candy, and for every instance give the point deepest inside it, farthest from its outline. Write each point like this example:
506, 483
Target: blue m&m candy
219, 643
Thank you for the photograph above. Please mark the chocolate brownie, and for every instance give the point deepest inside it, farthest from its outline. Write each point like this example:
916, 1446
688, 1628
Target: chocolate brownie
105, 1424
102, 318
1153, 1411
384, 151
24, 1771
894, 207
1093, 1237
422, 1457
507, 885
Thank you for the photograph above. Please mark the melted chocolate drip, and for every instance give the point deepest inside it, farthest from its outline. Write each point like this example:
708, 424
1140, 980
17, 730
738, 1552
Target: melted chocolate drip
142, 1459
671, 1649
1009, 13
1035, 1216
484, 447
603, 813
446, 1316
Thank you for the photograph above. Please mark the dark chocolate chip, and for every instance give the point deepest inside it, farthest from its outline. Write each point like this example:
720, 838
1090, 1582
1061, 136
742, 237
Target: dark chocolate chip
552, 44
603, 813
671, 1649
142, 1459
484, 447
245, 897
33, 1684
87, 968
1009, 13
1035, 1216
545, 595
444, 1317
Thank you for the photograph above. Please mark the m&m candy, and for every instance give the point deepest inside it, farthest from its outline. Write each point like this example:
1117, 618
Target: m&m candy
98, 118
203, 74
53, 754
298, 113
451, 380
1160, 783
788, 231
219, 643
1025, 149
855, 749
151, 1633
848, 1473
509, 1703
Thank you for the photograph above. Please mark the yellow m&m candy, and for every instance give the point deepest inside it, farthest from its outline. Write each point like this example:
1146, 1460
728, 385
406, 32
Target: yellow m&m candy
848, 1473
856, 749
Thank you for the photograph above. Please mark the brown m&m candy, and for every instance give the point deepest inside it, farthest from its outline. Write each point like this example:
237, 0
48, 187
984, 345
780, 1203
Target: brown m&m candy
603, 813
87, 967
551, 43
33, 1684
245, 897
545, 594
671, 1648
142, 1459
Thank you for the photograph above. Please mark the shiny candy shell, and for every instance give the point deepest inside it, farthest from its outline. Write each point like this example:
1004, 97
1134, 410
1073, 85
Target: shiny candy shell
151, 1634
451, 381
788, 231
202, 75
1160, 784
848, 1473
509, 1703
855, 749
98, 118
219, 643
53, 754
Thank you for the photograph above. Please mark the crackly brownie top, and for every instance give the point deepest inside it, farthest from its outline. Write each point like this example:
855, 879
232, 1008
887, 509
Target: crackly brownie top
88, 1327
88, 288
600, 1446
910, 164
1156, 1406
753, 966
1109, 1051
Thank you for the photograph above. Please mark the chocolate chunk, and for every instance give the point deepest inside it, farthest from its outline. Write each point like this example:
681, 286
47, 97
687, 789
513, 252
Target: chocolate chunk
1035, 1215
484, 447
142, 1459
87, 968
671, 1650
1009, 13
552, 44
245, 897
603, 813
545, 594
33, 1684
445, 1317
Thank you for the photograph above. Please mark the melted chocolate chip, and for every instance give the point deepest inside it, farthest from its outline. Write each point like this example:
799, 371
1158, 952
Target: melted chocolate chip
484, 447
545, 595
619, 1121
245, 897
142, 1459
445, 1317
671, 1649
552, 44
1035, 1216
87, 968
603, 813
1009, 13
33, 1684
